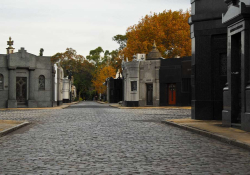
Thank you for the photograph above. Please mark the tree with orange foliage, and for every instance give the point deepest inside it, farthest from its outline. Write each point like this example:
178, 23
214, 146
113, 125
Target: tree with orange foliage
169, 29
100, 77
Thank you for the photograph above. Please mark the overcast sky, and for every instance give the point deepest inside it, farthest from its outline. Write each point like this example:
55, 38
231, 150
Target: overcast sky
80, 24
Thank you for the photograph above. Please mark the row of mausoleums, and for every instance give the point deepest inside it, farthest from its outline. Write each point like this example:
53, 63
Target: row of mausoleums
27, 80
153, 81
220, 32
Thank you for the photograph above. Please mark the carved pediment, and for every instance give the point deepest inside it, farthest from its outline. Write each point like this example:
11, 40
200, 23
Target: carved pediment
235, 12
22, 59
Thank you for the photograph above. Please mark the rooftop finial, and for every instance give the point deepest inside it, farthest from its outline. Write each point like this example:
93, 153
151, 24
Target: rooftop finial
41, 52
154, 45
10, 43
134, 57
10, 49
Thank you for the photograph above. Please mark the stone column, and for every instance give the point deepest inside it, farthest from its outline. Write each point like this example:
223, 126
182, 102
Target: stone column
31, 85
53, 96
32, 80
245, 118
12, 103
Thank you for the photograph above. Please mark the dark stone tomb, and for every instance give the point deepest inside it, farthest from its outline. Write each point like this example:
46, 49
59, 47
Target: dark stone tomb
209, 50
175, 82
236, 95
114, 90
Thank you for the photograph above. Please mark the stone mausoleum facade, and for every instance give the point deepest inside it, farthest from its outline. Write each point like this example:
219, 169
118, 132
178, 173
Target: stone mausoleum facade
27, 80
209, 58
175, 81
155, 81
220, 32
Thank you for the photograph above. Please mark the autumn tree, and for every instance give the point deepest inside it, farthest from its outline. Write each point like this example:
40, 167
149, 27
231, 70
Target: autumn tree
169, 29
100, 77
106, 65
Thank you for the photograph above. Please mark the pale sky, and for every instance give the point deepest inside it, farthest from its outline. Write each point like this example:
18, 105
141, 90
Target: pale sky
82, 25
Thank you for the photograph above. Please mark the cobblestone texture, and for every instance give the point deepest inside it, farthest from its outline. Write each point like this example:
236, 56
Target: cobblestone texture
91, 138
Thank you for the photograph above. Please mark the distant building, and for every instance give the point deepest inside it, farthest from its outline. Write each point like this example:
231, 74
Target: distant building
114, 89
66, 90
155, 81
175, 81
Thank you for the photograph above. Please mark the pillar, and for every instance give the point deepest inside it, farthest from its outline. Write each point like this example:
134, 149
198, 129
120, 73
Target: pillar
32, 80
12, 102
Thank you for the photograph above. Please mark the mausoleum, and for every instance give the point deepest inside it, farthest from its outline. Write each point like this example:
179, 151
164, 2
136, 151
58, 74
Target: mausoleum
220, 32
236, 95
209, 58
25, 79
155, 81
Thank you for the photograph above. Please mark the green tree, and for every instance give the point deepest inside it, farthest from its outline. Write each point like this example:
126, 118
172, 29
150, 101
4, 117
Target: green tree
95, 55
121, 40
82, 70
83, 78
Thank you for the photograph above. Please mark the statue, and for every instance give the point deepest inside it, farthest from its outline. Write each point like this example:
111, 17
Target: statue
41, 52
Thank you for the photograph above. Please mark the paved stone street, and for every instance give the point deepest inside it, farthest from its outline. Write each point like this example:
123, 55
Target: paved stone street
92, 138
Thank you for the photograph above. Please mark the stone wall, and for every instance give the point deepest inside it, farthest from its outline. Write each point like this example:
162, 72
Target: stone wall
208, 49
149, 74
131, 74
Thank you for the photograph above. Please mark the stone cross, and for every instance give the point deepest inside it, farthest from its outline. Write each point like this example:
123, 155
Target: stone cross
23, 52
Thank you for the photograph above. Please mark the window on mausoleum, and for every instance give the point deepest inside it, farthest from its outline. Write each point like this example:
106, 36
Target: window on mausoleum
41, 82
133, 85
1, 82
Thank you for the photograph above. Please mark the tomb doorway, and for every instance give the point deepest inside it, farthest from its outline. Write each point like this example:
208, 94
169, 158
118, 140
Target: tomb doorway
236, 78
21, 90
149, 94
172, 94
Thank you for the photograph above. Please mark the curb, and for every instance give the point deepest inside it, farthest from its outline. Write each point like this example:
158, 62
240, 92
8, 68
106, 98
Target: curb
101, 102
115, 106
7, 131
68, 105
143, 107
211, 135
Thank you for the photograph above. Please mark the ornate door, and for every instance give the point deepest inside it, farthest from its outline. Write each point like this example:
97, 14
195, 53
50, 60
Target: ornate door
21, 89
149, 94
172, 94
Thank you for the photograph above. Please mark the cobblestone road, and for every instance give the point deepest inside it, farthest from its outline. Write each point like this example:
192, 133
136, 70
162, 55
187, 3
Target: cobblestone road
91, 138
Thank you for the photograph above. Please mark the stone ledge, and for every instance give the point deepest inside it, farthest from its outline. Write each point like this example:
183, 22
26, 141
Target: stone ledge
9, 130
218, 137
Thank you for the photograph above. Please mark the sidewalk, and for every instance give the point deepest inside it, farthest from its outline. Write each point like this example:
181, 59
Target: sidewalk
214, 129
7, 126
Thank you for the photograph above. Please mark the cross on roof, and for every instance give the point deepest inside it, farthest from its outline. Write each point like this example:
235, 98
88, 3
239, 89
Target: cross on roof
10, 43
